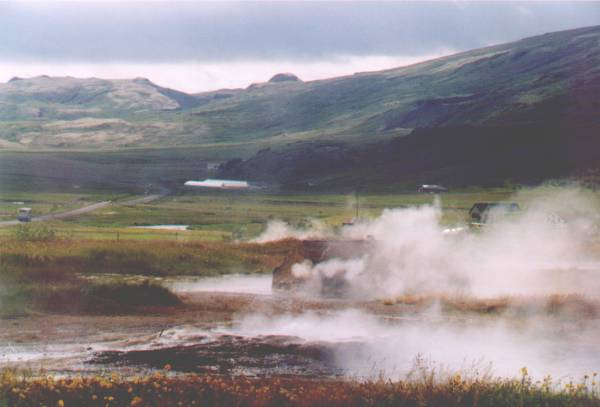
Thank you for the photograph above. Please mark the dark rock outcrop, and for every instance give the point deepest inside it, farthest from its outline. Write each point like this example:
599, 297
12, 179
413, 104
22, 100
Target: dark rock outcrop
316, 251
284, 77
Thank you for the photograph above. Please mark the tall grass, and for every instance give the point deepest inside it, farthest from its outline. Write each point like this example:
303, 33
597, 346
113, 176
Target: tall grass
30, 292
31, 233
157, 258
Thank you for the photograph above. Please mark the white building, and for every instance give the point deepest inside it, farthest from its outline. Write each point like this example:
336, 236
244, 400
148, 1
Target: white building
218, 183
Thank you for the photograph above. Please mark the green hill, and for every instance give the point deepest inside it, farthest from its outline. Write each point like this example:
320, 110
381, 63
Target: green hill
505, 84
540, 94
62, 113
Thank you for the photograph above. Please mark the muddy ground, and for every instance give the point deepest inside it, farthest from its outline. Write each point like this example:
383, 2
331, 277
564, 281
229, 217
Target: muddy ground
91, 343
292, 335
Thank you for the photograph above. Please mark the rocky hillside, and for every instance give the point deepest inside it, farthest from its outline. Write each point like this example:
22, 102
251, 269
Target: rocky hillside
523, 112
65, 112
68, 98
509, 84
517, 97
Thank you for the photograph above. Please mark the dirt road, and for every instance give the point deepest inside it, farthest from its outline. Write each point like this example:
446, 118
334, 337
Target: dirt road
88, 209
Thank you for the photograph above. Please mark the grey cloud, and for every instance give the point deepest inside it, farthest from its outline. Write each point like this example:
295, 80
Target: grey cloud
178, 31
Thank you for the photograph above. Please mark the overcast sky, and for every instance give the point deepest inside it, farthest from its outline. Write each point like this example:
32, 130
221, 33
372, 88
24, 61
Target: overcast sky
196, 46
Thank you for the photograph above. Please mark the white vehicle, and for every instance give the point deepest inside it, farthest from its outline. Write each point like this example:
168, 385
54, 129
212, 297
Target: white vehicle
24, 215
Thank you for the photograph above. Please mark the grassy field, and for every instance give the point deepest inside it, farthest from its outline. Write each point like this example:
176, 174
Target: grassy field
219, 215
46, 273
232, 216
156, 258
227, 216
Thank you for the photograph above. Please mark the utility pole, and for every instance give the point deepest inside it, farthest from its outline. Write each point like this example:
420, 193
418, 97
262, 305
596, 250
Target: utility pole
356, 203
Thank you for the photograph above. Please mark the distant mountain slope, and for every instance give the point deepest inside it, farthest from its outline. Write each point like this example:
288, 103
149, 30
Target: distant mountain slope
65, 112
67, 97
453, 156
509, 85
537, 96
524, 112
504, 84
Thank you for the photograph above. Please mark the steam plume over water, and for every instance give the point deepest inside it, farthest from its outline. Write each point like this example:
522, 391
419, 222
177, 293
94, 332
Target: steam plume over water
543, 250
546, 249
370, 347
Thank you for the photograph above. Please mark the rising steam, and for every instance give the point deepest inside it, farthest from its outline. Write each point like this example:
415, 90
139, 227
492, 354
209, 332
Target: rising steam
370, 347
277, 230
543, 250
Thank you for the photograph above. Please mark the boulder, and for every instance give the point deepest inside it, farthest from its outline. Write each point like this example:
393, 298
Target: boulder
316, 251
284, 77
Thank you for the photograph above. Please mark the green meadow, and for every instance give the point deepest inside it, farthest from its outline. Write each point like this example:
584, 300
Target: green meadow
224, 215
236, 215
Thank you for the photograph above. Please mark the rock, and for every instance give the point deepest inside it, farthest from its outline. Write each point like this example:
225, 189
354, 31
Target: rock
284, 77
317, 251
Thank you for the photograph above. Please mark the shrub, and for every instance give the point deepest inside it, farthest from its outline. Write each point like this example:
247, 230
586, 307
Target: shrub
105, 298
34, 233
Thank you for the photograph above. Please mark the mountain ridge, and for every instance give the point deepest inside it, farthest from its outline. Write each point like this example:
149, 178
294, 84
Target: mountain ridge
541, 83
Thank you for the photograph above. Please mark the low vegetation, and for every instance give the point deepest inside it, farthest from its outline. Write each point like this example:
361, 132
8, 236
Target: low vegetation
231, 215
105, 298
27, 233
162, 389
25, 291
156, 258
47, 273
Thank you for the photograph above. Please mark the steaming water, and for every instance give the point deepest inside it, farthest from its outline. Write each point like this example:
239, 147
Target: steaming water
545, 250
233, 283
500, 346
542, 251
358, 345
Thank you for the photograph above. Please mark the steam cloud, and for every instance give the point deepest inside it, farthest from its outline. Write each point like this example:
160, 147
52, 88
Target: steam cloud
547, 248
544, 249
369, 347
278, 230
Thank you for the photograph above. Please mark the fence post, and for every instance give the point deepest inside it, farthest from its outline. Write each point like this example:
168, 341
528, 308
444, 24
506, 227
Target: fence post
117, 236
